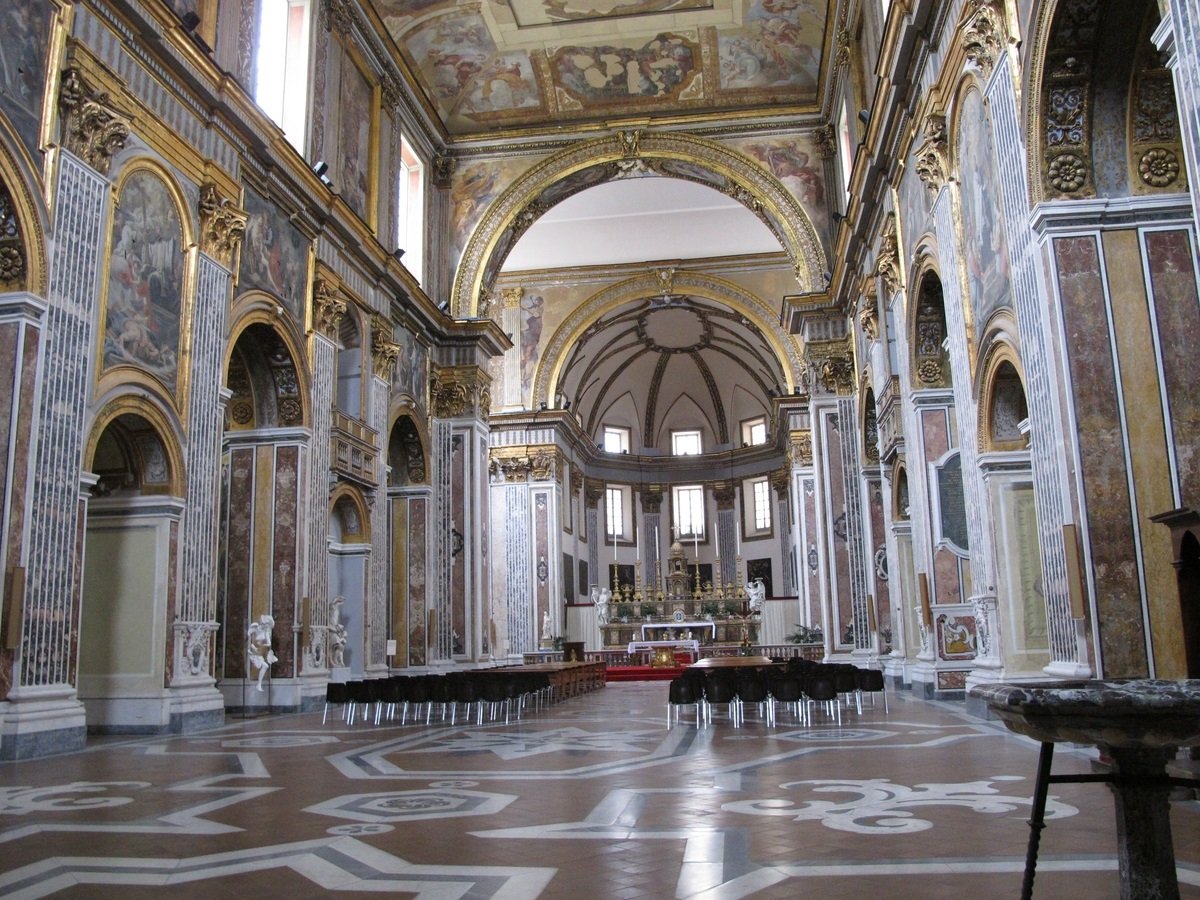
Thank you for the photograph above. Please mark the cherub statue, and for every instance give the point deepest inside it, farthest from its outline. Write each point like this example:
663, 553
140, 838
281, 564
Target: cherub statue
337, 634
756, 590
258, 646
601, 597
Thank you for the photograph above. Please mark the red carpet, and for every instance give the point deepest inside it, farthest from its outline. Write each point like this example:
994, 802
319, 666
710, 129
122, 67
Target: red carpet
641, 673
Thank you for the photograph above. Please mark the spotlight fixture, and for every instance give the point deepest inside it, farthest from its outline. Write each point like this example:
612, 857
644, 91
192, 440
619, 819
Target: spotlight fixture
444, 306
398, 253
837, 217
320, 169
542, 407
864, 117
190, 20
566, 403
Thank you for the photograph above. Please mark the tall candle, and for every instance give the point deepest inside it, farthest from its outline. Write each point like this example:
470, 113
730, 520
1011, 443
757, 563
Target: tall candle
717, 526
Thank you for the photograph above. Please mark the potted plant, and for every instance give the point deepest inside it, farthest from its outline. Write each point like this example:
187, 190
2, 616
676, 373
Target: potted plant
710, 608
624, 611
648, 611
805, 635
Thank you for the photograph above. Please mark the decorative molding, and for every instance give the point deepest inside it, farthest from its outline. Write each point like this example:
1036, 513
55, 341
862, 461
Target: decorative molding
576, 480
652, 501
781, 480
725, 494
825, 142
887, 262
459, 391
545, 463
328, 308
983, 34
932, 162
800, 447
222, 225
629, 143
511, 297
868, 314
443, 171
384, 351
593, 491
14, 266
93, 129
509, 468
340, 16
841, 57
837, 374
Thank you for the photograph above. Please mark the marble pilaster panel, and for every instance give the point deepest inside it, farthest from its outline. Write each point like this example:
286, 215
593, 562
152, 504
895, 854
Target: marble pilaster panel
541, 558
1170, 257
841, 598
1102, 456
458, 563
239, 548
877, 562
810, 557
418, 561
285, 552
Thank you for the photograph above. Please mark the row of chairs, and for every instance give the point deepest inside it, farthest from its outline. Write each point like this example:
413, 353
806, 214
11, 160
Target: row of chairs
797, 689
477, 693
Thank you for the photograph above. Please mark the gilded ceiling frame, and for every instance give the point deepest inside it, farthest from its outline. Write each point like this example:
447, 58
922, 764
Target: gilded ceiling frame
522, 204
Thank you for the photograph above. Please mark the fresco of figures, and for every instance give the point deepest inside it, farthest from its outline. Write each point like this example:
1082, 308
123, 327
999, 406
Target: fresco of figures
356, 100
145, 279
274, 255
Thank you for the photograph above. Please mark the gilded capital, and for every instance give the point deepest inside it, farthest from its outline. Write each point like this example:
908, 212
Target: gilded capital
93, 129
222, 225
933, 153
983, 34
13, 265
887, 263
800, 448
384, 351
328, 308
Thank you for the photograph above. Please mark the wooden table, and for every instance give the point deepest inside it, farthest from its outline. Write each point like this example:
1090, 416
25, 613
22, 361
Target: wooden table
732, 662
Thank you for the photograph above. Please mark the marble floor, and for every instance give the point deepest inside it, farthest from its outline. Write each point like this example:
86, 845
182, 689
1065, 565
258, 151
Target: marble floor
590, 798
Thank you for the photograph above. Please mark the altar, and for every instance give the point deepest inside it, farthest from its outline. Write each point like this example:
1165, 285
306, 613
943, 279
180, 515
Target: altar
649, 627
692, 646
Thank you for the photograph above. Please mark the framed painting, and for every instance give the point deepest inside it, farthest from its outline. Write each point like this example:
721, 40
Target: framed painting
24, 59
144, 293
275, 255
357, 174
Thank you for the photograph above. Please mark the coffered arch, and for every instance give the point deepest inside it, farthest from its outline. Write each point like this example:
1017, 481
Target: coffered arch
631, 154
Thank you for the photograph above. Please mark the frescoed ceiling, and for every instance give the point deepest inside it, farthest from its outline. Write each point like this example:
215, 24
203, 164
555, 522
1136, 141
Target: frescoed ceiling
541, 64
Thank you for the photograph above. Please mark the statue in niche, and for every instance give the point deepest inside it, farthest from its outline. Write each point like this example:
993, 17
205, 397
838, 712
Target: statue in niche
546, 626
601, 597
756, 590
258, 646
337, 634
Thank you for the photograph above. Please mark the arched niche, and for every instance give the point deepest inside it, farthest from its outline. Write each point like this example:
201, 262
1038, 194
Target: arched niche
133, 448
1003, 403
589, 163
349, 517
266, 387
901, 498
927, 334
870, 427
1100, 105
348, 559
407, 463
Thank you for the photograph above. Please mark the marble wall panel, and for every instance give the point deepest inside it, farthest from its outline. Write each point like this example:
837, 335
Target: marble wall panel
238, 553
810, 559
172, 602
284, 555
398, 577
947, 585
1171, 262
418, 560
839, 569
878, 562
936, 432
458, 569
541, 544
1101, 455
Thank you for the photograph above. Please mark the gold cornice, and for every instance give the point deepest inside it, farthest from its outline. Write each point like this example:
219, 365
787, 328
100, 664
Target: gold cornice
328, 307
457, 391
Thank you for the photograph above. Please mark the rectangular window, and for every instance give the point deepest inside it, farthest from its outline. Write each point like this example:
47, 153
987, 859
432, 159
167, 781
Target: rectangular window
614, 513
410, 209
688, 504
686, 443
615, 440
281, 66
762, 505
754, 431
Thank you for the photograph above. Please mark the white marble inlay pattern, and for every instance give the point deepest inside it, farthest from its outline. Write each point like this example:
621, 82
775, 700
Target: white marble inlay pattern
557, 740
280, 741
407, 806
339, 863
78, 795
880, 806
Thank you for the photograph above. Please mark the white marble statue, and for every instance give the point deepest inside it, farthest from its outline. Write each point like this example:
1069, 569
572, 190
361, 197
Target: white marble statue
337, 634
601, 597
258, 646
757, 592
546, 635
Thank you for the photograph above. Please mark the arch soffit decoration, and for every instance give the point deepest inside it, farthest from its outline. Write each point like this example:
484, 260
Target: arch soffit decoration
165, 426
747, 182
20, 180
258, 308
765, 319
348, 493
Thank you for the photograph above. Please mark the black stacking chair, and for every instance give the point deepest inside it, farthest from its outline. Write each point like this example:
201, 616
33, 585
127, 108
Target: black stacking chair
720, 688
752, 689
336, 693
788, 691
818, 688
416, 694
871, 681
845, 682
682, 692
466, 692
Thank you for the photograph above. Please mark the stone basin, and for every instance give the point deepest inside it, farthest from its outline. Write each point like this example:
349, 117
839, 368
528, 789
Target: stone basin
1141, 714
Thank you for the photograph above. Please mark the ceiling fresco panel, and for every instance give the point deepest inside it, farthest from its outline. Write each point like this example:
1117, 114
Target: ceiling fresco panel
539, 64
